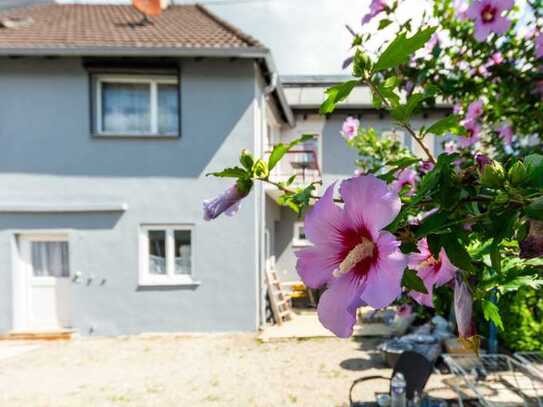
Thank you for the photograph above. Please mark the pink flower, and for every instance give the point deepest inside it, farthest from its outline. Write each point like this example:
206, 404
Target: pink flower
376, 7
350, 128
463, 308
473, 134
353, 256
506, 134
434, 42
426, 166
228, 203
475, 110
404, 311
450, 147
433, 272
457, 108
482, 161
461, 9
488, 18
539, 46
496, 59
407, 176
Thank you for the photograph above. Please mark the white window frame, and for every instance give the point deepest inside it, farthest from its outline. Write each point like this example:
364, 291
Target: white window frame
296, 241
153, 81
170, 278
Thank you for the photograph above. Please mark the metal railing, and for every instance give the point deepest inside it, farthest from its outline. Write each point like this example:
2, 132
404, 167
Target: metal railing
302, 163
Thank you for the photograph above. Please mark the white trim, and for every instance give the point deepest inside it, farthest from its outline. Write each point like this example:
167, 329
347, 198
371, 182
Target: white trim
296, 242
62, 207
153, 81
170, 278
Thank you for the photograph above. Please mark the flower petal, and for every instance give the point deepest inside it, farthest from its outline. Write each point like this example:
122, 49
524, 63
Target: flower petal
383, 282
316, 264
337, 306
446, 271
500, 25
369, 203
503, 5
423, 299
324, 222
463, 308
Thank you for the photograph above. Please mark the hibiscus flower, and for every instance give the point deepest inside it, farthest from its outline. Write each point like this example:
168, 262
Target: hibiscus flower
473, 134
228, 203
350, 128
433, 272
488, 18
407, 176
506, 134
376, 7
353, 256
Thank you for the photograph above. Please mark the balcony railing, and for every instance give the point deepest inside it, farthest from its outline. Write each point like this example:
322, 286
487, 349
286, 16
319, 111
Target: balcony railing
302, 163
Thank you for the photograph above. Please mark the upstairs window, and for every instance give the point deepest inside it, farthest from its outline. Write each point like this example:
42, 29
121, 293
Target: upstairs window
137, 106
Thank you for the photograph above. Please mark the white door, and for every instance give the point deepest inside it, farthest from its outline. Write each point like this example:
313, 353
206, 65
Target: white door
44, 277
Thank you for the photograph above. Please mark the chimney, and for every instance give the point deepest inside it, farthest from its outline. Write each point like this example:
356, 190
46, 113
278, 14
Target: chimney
149, 8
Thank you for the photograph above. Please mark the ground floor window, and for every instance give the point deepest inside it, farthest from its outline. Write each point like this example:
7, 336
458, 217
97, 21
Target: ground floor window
300, 238
166, 254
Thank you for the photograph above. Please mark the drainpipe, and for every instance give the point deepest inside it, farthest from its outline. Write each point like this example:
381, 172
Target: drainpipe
273, 84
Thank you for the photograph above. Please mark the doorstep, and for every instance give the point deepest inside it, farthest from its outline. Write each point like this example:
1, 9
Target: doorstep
40, 335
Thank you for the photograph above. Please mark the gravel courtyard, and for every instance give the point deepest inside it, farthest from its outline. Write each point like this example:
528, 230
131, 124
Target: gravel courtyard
233, 370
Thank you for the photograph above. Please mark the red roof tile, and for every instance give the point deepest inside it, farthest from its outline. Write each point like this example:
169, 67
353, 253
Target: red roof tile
71, 26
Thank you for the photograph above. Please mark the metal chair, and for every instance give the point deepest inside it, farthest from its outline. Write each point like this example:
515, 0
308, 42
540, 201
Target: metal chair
415, 368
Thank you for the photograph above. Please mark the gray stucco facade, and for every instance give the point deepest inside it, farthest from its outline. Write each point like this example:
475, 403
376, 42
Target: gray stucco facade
48, 156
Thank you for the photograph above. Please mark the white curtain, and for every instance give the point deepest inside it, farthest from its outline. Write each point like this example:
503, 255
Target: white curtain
50, 259
126, 107
168, 119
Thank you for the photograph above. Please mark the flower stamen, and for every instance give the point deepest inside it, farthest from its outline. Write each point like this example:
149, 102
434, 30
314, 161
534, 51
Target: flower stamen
360, 252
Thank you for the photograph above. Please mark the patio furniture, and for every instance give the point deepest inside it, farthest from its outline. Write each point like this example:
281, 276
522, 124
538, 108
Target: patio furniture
415, 368
494, 380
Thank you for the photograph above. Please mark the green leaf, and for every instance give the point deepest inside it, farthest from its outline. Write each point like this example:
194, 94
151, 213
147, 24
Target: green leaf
534, 164
444, 125
384, 23
411, 281
337, 94
280, 150
456, 252
403, 162
291, 179
234, 172
492, 313
434, 244
535, 209
431, 224
401, 48
246, 159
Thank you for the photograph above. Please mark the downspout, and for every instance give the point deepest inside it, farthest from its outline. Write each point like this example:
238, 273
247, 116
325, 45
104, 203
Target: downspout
273, 84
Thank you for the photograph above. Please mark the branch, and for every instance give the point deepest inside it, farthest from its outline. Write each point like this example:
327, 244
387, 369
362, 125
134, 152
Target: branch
404, 125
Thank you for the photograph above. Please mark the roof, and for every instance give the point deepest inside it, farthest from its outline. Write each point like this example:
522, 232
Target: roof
115, 30
117, 26
313, 80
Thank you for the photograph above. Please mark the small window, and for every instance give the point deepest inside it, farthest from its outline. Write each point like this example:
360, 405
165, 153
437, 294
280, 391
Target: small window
166, 255
299, 235
50, 259
137, 106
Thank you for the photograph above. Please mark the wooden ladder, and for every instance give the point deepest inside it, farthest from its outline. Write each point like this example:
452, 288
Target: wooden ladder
279, 303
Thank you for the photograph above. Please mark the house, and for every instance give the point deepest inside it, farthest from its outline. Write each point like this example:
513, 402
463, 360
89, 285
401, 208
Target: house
107, 129
108, 126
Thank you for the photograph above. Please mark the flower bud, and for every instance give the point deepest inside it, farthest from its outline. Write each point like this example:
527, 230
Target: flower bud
493, 175
518, 173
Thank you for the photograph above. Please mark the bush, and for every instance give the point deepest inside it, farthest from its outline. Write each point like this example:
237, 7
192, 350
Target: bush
522, 314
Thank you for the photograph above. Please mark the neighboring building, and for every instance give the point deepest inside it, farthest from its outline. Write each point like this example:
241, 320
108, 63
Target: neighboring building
327, 159
107, 129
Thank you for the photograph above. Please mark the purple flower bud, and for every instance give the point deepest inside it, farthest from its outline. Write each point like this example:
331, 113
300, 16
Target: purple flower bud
532, 246
463, 308
376, 7
482, 161
228, 203
426, 166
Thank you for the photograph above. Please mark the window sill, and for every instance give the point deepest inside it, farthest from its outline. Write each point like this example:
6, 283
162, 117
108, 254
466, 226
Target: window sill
137, 136
185, 282
301, 244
